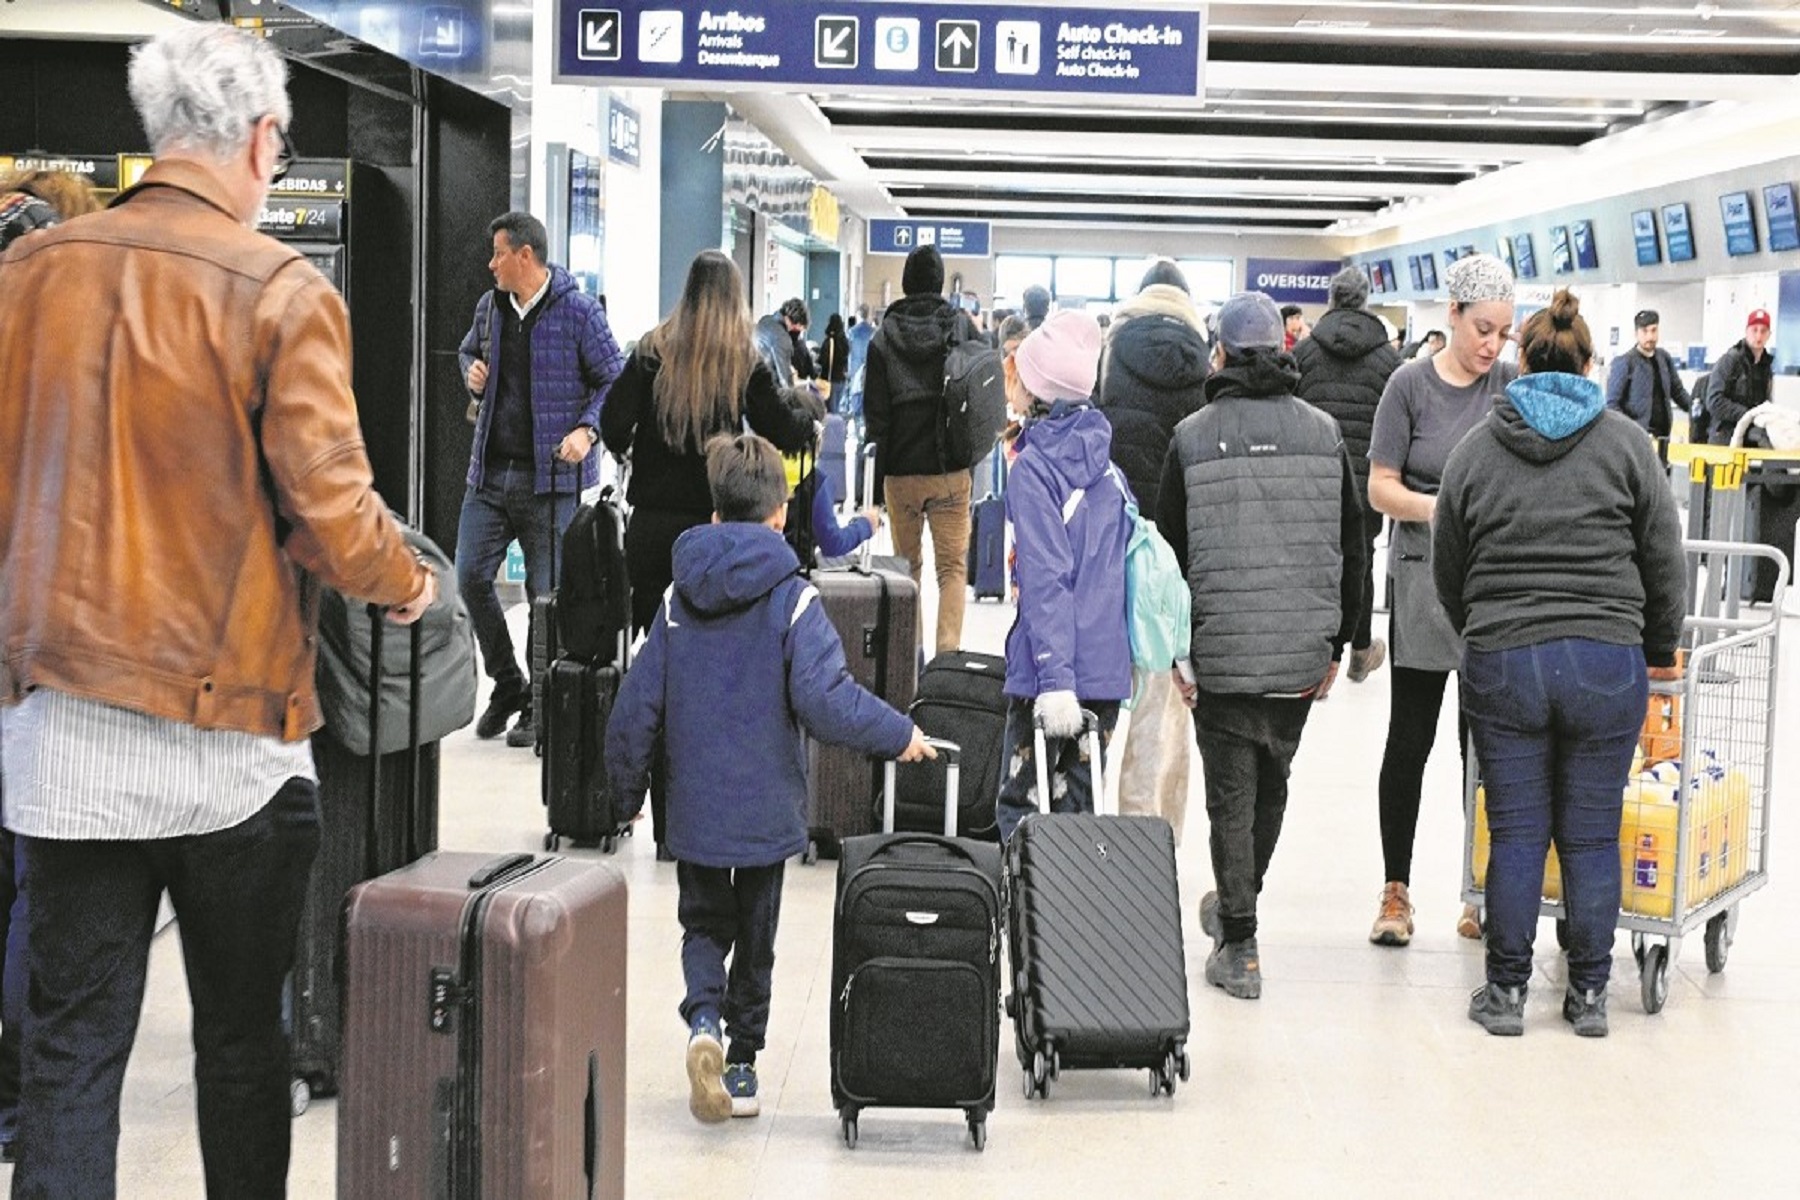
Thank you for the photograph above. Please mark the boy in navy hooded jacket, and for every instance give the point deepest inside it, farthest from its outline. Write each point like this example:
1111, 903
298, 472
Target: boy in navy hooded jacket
739, 658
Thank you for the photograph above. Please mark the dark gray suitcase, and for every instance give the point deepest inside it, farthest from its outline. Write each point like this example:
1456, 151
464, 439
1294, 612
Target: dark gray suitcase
1094, 929
376, 812
915, 970
581, 803
484, 1031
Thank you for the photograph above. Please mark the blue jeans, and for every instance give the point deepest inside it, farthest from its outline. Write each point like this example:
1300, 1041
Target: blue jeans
1069, 764
505, 508
237, 895
1554, 727
730, 911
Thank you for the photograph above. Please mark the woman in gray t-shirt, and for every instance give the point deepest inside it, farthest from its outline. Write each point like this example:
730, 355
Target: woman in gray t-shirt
1426, 409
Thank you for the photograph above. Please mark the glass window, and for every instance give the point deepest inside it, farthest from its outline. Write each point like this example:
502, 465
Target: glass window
1210, 280
1083, 278
1013, 273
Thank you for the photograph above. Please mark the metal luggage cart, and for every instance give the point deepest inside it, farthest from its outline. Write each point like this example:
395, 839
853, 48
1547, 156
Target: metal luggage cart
1687, 863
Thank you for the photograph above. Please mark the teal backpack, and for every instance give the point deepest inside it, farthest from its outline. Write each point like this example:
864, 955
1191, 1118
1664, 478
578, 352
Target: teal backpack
1158, 605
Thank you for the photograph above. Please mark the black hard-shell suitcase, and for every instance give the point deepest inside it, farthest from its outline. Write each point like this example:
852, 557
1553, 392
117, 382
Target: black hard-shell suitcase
582, 805
1094, 930
962, 697
916, 977
376, 813
876, 614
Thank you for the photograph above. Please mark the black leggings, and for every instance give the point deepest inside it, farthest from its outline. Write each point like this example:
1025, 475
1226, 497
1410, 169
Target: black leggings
1416, 697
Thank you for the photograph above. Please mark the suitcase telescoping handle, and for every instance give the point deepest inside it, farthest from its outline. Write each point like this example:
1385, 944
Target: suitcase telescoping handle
376, 853
1090, 729
951, 753
867, 559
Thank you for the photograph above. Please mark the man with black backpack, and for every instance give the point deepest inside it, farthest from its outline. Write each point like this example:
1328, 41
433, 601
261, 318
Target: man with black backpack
922, 449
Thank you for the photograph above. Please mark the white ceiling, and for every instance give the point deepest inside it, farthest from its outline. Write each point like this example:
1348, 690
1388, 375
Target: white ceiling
1318, 117
111, 20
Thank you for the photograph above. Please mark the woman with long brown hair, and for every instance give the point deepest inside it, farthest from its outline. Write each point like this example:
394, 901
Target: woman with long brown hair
695, 375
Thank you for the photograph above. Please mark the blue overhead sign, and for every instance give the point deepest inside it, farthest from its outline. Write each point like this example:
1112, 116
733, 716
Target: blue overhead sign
955, 239
624, 132
1292, 280
880, 46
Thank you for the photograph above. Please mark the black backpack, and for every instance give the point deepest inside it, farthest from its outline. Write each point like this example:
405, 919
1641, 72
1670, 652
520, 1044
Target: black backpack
974, 401
593, 597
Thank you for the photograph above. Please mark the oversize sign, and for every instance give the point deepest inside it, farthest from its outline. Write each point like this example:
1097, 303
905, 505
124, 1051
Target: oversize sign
956, 239
868, 46
1292, 280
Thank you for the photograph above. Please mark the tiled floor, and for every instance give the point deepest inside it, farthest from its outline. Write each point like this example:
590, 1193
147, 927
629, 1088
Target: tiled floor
1357, 1074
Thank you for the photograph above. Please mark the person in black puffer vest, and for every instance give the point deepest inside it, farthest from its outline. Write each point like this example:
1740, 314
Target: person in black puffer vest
1153, 374
1344, 366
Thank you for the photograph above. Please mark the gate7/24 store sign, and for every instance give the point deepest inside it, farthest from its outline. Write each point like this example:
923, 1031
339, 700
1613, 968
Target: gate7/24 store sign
1046, 49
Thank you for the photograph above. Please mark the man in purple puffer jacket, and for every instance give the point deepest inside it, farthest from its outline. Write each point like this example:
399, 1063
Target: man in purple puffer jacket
541, 358
1068, 648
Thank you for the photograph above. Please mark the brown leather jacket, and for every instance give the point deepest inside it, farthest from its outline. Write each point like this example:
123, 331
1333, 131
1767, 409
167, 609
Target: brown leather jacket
180, 458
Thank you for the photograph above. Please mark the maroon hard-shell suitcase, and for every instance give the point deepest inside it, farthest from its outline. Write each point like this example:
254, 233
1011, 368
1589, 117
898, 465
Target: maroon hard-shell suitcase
484, 1031
876, 614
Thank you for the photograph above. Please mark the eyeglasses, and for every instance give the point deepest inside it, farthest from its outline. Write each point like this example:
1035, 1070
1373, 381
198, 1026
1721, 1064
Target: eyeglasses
284, 157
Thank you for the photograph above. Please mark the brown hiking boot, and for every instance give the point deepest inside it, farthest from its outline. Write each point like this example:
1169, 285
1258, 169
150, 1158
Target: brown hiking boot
1393, 925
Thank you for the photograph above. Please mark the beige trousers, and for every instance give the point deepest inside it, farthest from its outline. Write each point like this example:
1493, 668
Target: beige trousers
943, 501
1153, 770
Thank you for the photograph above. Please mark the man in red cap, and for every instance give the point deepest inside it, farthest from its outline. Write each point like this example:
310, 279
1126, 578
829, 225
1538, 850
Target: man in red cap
1741, 378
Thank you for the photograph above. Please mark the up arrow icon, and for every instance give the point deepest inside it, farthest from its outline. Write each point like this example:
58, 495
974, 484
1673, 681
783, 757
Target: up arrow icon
958, 45
598, 35
834, 42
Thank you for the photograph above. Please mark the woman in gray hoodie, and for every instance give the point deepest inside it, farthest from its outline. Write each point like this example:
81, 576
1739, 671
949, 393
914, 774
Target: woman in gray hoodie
1557, 555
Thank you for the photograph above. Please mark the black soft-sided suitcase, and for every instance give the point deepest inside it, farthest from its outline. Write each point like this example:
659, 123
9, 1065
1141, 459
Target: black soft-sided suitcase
987, 548
376, 812
960, 697
582, 805
915, 971
1094, 930
1771, 510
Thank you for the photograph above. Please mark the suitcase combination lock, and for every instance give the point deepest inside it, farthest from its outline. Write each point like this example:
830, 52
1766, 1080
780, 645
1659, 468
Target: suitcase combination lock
447, 996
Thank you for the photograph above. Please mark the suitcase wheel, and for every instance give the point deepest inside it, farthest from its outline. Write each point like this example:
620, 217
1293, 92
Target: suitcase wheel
551, 841
848, 1123
978, 1131
1038, 1076
810, 857
1163, 1079
299, 1097
609, 844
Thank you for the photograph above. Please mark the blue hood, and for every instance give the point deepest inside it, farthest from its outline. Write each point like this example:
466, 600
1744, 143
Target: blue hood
724, 568
1074, 441
1556, 404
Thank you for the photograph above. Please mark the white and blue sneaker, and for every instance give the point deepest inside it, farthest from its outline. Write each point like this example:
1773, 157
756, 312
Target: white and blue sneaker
740, 1085
707, 1098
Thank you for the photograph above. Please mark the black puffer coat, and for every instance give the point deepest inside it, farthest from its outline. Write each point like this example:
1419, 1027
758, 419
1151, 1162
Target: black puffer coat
1344, 366
1151, 377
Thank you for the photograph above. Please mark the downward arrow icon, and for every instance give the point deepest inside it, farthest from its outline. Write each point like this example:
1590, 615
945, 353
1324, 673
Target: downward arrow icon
835, 43
600, 37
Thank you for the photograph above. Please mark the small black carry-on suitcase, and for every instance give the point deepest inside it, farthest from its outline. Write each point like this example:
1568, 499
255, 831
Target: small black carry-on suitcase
962, 697
915, 970
593, 620
1094, 926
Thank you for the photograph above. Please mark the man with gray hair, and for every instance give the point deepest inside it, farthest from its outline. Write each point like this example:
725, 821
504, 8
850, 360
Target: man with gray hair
180, 468
1344, 366
1259, 502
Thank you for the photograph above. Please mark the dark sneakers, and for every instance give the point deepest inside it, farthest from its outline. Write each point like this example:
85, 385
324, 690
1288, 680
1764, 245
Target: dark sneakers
1586, 1011
1234, 969
1500, 1011
523, 735
500, 708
